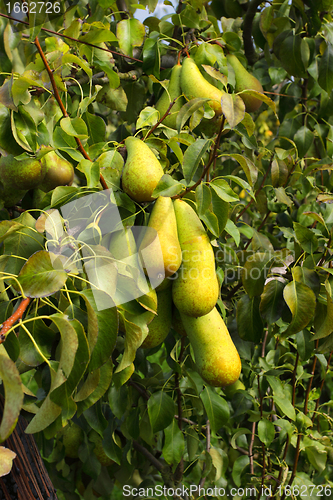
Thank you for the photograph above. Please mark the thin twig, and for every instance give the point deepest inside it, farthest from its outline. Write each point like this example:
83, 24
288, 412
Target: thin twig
178, 474
153, 460
308, 390
321, 386
61, 105
161, 119
253, 433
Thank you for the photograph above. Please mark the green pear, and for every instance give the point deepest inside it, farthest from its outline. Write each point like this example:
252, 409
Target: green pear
194, 84
99, 452
163, 220
142, 170
10, 196
161, 324
72, 438
195, 290
20, 174
245, 81
215, 354
58, 172
174, 92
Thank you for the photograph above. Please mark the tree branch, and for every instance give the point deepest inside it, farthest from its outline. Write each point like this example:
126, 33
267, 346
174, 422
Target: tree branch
249, 49
62, 107
6, 325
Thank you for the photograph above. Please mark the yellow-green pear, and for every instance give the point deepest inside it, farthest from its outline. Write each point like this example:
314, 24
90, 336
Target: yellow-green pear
215, 354
195, 290
194, 84
245, 81
161, 324
163, 220
72, 438
142, 170
174, 92
20, 174
58, 172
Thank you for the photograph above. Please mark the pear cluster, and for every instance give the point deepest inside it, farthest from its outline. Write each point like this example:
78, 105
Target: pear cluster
187, 80
19, 176
191, 285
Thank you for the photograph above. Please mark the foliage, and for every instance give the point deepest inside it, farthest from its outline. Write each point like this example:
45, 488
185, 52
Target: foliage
260, 183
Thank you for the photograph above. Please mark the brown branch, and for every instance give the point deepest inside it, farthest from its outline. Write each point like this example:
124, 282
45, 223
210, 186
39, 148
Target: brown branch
253, 432
161, 119
205, 170
142, 391
6, 325
249, 49
153, 460
74, 39
62, 107
178, 474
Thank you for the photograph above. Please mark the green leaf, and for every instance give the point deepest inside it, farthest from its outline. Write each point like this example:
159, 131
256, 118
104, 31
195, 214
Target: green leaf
203, 198
42, 275
187, 110
223, 190
272, 302
215, 73
216, 407
238, 468
317, 457
102, 328
148, 118
161, 410
96, 36
13, 394
302, 303
279, 173
306, 238
282, 196
247, 165
281, 397
324, 326
6, 460
94, 387
174, 444
167, 186
74, 127
111, 165
303, 140
233, 108
130, 33
72, 59
193, 156
233, 230
255, 272
325, 69
307, 276
249, 322
266, 431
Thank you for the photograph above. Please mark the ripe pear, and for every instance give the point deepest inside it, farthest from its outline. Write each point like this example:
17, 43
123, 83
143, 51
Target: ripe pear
194, 84
195, 290
20, 174
245, 81
174, 92
142, 170
58, 172
163, 220
215, 354
161, 324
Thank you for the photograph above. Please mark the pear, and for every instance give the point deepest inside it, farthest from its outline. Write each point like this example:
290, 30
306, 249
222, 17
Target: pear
163, 220
99, 452
215, 354
195, 290
20, 174
58, 172
245, 81
194, 84
10, 196
174, 92
161, 324
142, 170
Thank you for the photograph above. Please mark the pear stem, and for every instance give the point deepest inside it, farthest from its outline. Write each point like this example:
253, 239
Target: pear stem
61, 105
161, 119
